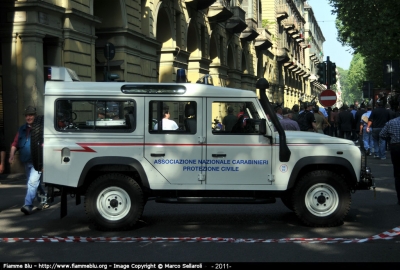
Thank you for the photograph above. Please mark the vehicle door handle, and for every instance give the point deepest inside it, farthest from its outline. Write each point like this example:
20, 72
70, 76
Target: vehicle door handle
157, 155
218, 155
66, 159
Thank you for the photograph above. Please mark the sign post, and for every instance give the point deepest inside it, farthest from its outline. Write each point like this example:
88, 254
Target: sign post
328, 98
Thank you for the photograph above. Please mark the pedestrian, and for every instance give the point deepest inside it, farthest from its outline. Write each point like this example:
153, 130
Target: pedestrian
319, 119
356, 104
287, 122
397, 111
306, 119
323, 111
361, 110
391, 131
392, 115
295, 112
2, 153
22, 144
333, 122
229, 120
328, 126
167, 124
241, 111
278, 111
354, 127
377, 120
345, 122
368, 143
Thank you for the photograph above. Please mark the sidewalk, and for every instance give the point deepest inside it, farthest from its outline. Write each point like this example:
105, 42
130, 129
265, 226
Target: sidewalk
6, 178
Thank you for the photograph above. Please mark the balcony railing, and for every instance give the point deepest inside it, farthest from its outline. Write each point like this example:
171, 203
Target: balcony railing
288, 22
219, 11
250, 33
264, 40
282, 11
282, 51
237, 23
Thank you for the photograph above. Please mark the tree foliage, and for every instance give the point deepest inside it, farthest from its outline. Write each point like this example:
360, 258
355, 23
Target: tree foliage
351, 81
371, 28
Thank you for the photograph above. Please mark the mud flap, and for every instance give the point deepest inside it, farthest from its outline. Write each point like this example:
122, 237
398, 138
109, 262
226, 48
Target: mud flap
63, 211
78, 200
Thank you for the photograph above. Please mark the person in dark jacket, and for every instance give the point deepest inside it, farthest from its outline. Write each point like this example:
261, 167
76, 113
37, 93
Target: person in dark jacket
22, 144
345, 123
2, 153
230, 120
287, 122
333, 122
392, 116
306, 118
377, 120
295, 113
391, 131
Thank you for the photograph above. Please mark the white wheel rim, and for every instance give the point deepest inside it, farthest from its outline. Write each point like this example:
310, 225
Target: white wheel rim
113, 203
321, 200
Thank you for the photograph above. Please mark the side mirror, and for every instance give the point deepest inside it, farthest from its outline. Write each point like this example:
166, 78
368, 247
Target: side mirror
262, 129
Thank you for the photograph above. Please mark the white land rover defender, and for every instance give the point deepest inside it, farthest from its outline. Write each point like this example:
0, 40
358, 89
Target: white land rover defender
106, 141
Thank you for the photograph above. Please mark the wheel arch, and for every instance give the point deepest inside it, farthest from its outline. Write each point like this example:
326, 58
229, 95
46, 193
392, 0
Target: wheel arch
335, 164
101, 165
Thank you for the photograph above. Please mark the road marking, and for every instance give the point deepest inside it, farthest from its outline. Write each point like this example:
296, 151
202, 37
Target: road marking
387, 235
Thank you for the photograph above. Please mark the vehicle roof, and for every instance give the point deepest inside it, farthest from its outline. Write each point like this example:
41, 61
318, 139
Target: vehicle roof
61, 88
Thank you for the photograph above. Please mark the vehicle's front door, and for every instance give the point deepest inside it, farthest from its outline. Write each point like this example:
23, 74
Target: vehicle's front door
236, 154
173, 138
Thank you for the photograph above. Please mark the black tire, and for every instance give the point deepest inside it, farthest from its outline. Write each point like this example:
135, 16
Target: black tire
287, 199
37, 142
321, 199
114, 202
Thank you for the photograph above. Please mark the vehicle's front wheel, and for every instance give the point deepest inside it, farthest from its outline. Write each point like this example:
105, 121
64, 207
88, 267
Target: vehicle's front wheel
114, 202
321, 199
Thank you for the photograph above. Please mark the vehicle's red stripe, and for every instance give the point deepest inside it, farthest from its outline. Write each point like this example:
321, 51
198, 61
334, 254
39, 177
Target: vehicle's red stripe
87, 146
109, 144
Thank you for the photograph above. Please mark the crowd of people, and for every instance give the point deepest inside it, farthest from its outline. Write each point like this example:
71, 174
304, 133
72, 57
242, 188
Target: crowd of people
376, 130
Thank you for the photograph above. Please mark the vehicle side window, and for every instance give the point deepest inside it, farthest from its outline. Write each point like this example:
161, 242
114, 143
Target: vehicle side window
234, 118
95, 115
173, 117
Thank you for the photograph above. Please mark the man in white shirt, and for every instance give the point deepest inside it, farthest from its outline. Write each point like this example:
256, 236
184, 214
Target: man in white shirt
167, 124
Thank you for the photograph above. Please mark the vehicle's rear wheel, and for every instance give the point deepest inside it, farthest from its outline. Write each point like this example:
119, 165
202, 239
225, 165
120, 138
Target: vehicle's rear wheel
321, 199
37, 142
114, 202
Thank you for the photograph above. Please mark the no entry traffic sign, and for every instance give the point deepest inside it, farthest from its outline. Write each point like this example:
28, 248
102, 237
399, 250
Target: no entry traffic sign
327, 98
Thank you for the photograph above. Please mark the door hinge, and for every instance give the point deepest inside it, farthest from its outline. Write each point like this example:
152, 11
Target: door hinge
201, 177
271, 178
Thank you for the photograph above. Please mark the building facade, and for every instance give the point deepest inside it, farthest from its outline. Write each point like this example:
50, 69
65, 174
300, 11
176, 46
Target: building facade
233, 41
